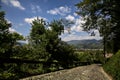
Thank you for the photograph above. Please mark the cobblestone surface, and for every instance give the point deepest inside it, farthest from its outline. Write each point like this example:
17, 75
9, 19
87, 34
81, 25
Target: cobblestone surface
90, 72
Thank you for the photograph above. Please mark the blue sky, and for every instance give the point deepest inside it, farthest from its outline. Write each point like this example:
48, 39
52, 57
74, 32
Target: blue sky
21, 13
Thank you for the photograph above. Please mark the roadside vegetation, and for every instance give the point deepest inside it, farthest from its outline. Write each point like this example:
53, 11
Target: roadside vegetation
112, 67
46, 52
103, 15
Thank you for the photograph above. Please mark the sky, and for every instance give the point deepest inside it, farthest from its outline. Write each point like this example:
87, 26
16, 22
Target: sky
22, 12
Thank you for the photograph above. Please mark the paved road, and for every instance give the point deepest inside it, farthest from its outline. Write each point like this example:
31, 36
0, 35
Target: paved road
90, 72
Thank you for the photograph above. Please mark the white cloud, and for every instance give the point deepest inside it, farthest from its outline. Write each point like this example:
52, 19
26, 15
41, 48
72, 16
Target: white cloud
76, 30
65, 31
35, 8
11, 30
79, 37
75, 14
69, 17
54, 12
77, 26
29, 20
14, 3
8, 21
63, 10
96, 33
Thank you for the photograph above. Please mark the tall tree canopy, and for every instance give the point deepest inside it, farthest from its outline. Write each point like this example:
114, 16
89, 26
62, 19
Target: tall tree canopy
7, 39
102, 15
46, 36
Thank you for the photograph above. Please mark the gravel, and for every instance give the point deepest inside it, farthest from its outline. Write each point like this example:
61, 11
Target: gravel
89, 72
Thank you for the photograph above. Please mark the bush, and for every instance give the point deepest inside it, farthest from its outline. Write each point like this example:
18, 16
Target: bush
112, 67
7, 72
90, 56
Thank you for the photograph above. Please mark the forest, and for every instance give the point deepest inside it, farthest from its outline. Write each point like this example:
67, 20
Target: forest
46, 52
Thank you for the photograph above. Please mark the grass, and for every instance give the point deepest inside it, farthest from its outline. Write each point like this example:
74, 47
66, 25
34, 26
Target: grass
112, 67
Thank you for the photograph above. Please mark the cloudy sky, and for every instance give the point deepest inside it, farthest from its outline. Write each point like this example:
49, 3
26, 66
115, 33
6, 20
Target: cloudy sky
21, 13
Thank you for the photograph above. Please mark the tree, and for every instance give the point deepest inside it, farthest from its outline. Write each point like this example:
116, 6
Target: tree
37, 39
5, 44
67, 24
46, 37
43, 37
38, 30
15, 37
103, 16
7, 39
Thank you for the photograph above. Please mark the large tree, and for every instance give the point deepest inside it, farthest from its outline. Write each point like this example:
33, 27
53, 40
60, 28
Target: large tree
7, 39
102, 15
46, 37
5, 42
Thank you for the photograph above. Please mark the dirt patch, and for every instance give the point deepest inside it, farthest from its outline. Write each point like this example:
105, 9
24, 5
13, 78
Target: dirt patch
90, 72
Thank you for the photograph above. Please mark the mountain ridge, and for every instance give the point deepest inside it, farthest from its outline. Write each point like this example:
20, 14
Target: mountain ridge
86, 44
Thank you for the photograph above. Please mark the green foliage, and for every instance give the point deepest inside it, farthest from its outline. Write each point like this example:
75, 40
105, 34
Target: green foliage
51, 43
4, 36
7, 39
37, 31
102, 15
57, 26
26, 52
86, 44
15, 36
112, 66
64, 55
45, 45
31, 69
7, 71
90, 56
7, 75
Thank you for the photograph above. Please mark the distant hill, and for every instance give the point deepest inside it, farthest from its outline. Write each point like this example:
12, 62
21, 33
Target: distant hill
86, 44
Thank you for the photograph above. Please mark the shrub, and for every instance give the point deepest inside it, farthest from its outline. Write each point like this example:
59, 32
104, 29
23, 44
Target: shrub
90, 56
7, 72
112, 67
